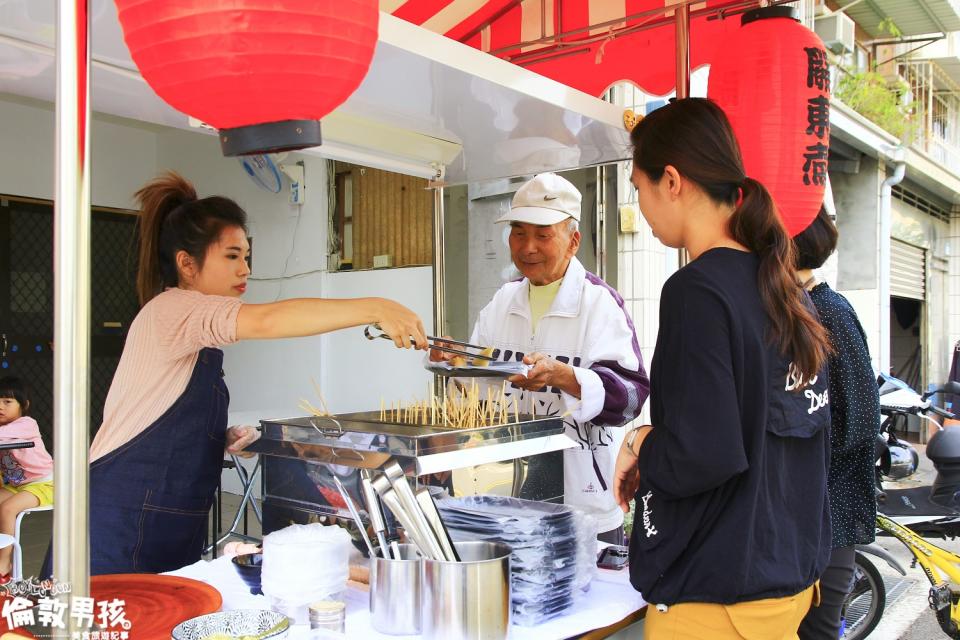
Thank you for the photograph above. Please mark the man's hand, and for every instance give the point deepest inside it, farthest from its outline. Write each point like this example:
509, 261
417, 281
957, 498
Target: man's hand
626, 473
547, 372
239, 438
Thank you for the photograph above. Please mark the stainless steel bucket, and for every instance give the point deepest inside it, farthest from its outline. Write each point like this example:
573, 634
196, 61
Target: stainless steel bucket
468, 600
395, 593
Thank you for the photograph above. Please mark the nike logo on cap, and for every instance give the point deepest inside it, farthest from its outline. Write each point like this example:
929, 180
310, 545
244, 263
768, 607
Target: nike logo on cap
549, 197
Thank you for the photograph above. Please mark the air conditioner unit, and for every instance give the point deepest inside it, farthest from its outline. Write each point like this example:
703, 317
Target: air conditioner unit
837, 32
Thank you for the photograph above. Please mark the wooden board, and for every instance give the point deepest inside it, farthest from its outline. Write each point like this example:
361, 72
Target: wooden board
155, 604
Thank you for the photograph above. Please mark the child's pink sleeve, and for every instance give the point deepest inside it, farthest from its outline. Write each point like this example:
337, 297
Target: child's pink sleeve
24, 428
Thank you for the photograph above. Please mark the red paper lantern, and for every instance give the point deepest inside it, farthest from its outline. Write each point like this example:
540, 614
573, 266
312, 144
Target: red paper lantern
263, 72
773, 82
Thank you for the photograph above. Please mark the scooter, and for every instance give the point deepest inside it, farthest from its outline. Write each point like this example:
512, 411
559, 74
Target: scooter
911, 514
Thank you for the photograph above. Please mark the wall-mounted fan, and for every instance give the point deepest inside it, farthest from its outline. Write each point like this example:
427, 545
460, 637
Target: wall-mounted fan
267, 171
263, 171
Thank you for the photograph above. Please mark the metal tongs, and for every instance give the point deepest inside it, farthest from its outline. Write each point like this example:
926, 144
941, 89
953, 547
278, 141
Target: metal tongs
416, 512
433, 340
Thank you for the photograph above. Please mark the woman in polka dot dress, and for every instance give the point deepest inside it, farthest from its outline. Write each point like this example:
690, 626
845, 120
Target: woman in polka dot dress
855, 422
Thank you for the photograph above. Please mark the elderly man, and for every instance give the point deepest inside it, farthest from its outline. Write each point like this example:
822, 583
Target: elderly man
574, 331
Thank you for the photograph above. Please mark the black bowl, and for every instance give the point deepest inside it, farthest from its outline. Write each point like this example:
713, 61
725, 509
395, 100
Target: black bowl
248, 566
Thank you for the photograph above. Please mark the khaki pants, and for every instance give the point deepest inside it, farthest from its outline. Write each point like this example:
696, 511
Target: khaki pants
770, 619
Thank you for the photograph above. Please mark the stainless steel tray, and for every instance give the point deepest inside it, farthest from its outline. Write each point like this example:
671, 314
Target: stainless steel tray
362, 440
491, 370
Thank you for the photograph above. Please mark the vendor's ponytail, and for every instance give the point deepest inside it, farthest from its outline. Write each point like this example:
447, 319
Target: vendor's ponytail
694, 136
172, 219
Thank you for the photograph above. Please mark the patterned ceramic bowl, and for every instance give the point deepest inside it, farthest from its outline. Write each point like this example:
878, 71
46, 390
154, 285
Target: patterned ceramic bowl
242, 624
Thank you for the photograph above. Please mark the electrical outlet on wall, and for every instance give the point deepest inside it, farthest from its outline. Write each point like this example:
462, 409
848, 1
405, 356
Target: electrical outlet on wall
382, 261
629, 219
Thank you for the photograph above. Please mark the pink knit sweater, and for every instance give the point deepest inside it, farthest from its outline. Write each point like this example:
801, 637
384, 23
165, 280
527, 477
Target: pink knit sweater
158, 359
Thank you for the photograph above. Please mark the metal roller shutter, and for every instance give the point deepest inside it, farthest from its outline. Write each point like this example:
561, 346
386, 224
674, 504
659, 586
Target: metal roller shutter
908, 270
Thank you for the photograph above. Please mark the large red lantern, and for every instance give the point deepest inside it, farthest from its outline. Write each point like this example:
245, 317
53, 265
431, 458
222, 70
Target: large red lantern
263, 72
773, 82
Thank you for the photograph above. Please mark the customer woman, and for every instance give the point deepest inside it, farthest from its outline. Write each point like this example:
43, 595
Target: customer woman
157, 456
854, 424
732, 527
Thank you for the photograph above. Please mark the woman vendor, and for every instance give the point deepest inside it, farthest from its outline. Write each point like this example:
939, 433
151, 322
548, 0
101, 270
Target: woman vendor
157, 457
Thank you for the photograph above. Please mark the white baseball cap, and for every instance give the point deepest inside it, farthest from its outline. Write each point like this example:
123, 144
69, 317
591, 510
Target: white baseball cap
544, 200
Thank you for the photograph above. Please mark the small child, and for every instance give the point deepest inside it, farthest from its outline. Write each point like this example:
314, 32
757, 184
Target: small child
27, 474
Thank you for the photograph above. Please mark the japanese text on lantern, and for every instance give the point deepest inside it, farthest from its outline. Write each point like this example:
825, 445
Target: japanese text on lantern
818, 117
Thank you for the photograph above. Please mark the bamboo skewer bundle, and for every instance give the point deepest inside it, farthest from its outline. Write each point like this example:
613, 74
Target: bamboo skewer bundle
461, 408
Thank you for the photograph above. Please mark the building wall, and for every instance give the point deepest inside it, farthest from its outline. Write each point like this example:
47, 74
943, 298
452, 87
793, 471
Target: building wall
857, 199
123, 153
923, 230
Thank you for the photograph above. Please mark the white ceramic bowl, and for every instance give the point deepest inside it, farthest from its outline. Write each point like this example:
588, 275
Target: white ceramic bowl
240, 623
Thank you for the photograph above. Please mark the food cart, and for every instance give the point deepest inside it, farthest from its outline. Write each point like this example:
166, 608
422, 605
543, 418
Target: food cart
429, 107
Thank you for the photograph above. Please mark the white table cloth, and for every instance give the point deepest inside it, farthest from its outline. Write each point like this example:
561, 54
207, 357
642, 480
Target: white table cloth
610, 599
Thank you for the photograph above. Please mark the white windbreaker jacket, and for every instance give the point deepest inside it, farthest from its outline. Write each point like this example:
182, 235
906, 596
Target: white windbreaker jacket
587, 327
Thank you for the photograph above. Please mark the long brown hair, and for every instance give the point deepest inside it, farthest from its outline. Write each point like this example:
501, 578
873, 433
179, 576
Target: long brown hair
695, 137
173, 219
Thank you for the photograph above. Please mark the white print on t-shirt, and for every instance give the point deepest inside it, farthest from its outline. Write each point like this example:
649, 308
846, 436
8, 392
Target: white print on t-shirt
647, 512
817, 400
795, 379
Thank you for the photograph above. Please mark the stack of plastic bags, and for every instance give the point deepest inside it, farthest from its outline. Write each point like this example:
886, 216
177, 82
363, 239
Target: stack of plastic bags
544, 542
304, 564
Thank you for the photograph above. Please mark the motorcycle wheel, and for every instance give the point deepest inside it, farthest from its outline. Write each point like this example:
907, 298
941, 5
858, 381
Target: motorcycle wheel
948, 626
869, 596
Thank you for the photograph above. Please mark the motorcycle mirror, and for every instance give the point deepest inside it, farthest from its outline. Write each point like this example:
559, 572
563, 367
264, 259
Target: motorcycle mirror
952, 387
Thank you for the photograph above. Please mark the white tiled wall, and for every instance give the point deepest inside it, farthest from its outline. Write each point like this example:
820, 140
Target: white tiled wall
643, 263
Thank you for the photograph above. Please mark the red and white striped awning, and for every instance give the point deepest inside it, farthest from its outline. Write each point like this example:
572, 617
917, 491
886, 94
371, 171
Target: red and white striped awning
586, 44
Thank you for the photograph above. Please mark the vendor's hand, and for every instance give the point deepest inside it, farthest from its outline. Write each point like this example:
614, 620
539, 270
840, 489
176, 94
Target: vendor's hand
547, 371
239, 438
626, 472
400, 324
442, 356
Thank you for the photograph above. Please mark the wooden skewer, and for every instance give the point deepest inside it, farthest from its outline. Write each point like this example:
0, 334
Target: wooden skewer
323, 403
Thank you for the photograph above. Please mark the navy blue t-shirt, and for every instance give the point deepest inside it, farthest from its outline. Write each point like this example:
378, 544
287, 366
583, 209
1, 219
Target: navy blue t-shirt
732, 504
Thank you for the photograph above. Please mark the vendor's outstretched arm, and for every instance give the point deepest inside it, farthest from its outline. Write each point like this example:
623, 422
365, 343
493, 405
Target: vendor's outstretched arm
311, 316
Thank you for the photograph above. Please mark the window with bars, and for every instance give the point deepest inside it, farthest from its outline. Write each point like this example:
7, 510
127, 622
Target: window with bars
26, 300
381, 218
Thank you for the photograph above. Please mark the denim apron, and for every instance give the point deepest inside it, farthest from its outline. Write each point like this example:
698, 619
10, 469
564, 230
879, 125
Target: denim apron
149, 498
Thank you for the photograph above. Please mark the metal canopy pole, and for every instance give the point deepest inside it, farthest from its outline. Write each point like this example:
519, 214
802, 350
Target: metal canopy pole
682, 17
71, 301
439, 259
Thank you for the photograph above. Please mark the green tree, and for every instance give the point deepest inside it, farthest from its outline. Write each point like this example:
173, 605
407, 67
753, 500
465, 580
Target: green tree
877, 99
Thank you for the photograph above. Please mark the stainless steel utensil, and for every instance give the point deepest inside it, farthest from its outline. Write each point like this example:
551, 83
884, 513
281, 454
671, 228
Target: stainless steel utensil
356, 515
429, 507
415, 533
377, 521
470, 599
395, 592
433, 340
401, 487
